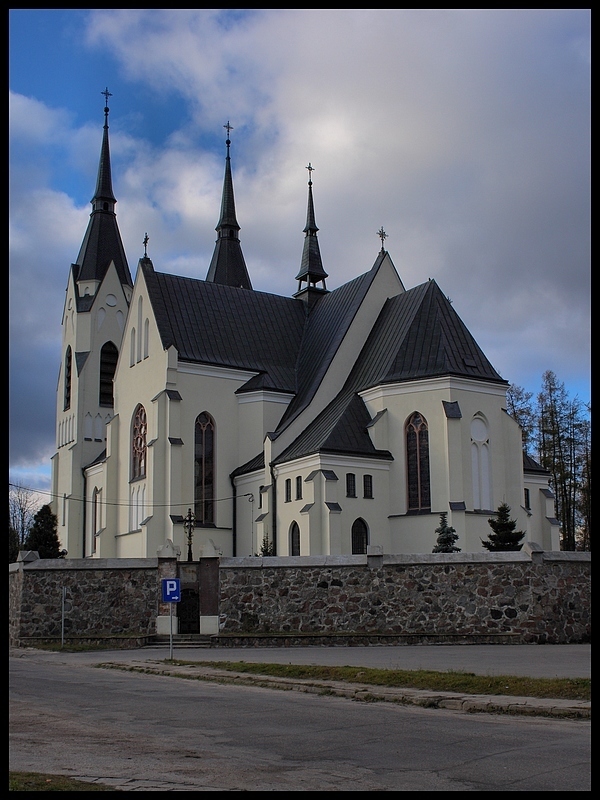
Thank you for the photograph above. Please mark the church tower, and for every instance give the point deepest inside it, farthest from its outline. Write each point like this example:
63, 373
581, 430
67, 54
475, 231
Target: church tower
97, 299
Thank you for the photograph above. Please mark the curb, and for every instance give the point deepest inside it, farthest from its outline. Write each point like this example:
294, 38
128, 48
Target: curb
454, 701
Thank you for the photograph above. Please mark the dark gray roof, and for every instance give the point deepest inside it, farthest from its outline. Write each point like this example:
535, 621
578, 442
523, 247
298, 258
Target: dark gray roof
101, 245
326, 326
210, 323
417, 335
340, 428
530, 465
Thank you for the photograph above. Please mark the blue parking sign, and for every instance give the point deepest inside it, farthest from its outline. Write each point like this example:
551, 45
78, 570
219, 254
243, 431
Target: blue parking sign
171, 590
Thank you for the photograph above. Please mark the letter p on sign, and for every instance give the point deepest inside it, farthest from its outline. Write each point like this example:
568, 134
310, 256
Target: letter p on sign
171, 590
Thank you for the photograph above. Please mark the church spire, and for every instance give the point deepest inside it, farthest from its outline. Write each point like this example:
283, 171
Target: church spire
102, 241
311, 267
227, 265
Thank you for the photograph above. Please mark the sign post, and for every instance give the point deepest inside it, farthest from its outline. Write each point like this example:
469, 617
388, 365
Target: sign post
171, 593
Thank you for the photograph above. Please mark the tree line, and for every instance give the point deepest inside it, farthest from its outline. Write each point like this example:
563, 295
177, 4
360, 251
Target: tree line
557, 434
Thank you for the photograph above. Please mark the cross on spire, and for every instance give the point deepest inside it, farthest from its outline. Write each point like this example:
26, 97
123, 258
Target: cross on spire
383, 236
310, 169
228, 128
106, 94
145, 243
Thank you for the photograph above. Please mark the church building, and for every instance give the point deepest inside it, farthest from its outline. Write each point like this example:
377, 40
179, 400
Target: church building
221, 418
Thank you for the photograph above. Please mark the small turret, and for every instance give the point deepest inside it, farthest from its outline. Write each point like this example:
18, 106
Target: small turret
311, 269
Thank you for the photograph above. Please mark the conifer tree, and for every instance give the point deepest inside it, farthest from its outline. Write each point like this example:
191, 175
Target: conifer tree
43, 536
504, 537
446, 536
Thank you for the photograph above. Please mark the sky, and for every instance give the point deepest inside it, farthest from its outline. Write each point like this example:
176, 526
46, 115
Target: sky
464, 133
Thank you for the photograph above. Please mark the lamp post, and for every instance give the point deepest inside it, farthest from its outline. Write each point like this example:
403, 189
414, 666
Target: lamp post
188, 527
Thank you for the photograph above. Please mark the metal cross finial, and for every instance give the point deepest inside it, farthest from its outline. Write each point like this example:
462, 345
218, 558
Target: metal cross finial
188, 527
106, 94
146, 240
382, 235
310, 169
228, 128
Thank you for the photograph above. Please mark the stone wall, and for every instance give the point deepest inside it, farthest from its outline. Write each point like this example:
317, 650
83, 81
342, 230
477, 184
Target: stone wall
546, 599
116, 599
528, 596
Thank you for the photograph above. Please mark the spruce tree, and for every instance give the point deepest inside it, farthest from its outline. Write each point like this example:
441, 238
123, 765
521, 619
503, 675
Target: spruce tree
446, 536
505, 537
43, 536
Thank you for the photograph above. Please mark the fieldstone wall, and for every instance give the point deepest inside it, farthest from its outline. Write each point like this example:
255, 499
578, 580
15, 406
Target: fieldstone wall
530, 596
103, 599
546, 599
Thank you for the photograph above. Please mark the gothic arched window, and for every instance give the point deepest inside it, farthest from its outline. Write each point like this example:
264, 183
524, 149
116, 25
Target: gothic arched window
480, 464
294, 539
417, 463
67, 383
138, 443
204, 469
360, 537
108, 364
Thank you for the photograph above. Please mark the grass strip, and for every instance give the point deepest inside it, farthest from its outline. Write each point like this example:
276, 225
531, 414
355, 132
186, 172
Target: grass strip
463, 682
43, 782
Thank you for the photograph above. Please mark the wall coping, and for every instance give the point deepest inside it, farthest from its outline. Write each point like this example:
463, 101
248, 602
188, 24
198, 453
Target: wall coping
64, 564
262, 562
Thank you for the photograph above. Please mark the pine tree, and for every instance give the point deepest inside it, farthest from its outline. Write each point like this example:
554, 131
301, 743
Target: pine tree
446, 536
505, 537
43, 536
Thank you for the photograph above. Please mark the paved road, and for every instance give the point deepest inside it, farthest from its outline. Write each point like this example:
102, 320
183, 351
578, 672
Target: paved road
143, 732
534, 661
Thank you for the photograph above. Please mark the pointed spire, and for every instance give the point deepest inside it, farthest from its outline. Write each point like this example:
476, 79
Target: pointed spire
311, 267
102, 241
227, 265
104, 191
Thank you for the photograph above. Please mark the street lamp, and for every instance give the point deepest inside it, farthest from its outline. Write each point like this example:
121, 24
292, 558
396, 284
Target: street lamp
188, 527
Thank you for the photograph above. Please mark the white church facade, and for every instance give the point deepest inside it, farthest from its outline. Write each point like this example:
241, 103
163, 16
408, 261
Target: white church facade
321, 423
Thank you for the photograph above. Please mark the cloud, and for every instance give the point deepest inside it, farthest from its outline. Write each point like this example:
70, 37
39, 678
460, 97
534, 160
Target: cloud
464, 132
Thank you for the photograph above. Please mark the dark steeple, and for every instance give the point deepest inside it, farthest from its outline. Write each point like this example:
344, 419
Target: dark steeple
102, 241
228, 266
311, 268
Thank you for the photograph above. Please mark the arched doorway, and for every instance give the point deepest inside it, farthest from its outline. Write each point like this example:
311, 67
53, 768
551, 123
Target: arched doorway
360, 537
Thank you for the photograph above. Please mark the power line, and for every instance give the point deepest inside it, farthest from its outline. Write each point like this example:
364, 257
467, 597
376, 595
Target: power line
126, 504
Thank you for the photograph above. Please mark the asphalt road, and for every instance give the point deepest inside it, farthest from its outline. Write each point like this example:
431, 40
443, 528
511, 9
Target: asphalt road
142, 732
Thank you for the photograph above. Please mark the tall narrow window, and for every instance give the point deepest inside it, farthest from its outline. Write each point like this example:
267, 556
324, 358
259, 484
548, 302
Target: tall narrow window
294, 539
67, 383
204, 469
480, 462
288, 490
350, 484
299, 487
368, 486
360, 537
108, 364
138, 443
417, 463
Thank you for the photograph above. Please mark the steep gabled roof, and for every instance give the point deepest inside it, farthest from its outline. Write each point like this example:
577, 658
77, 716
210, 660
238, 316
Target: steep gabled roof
340, 428
210, 323
417, 335
326, 325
